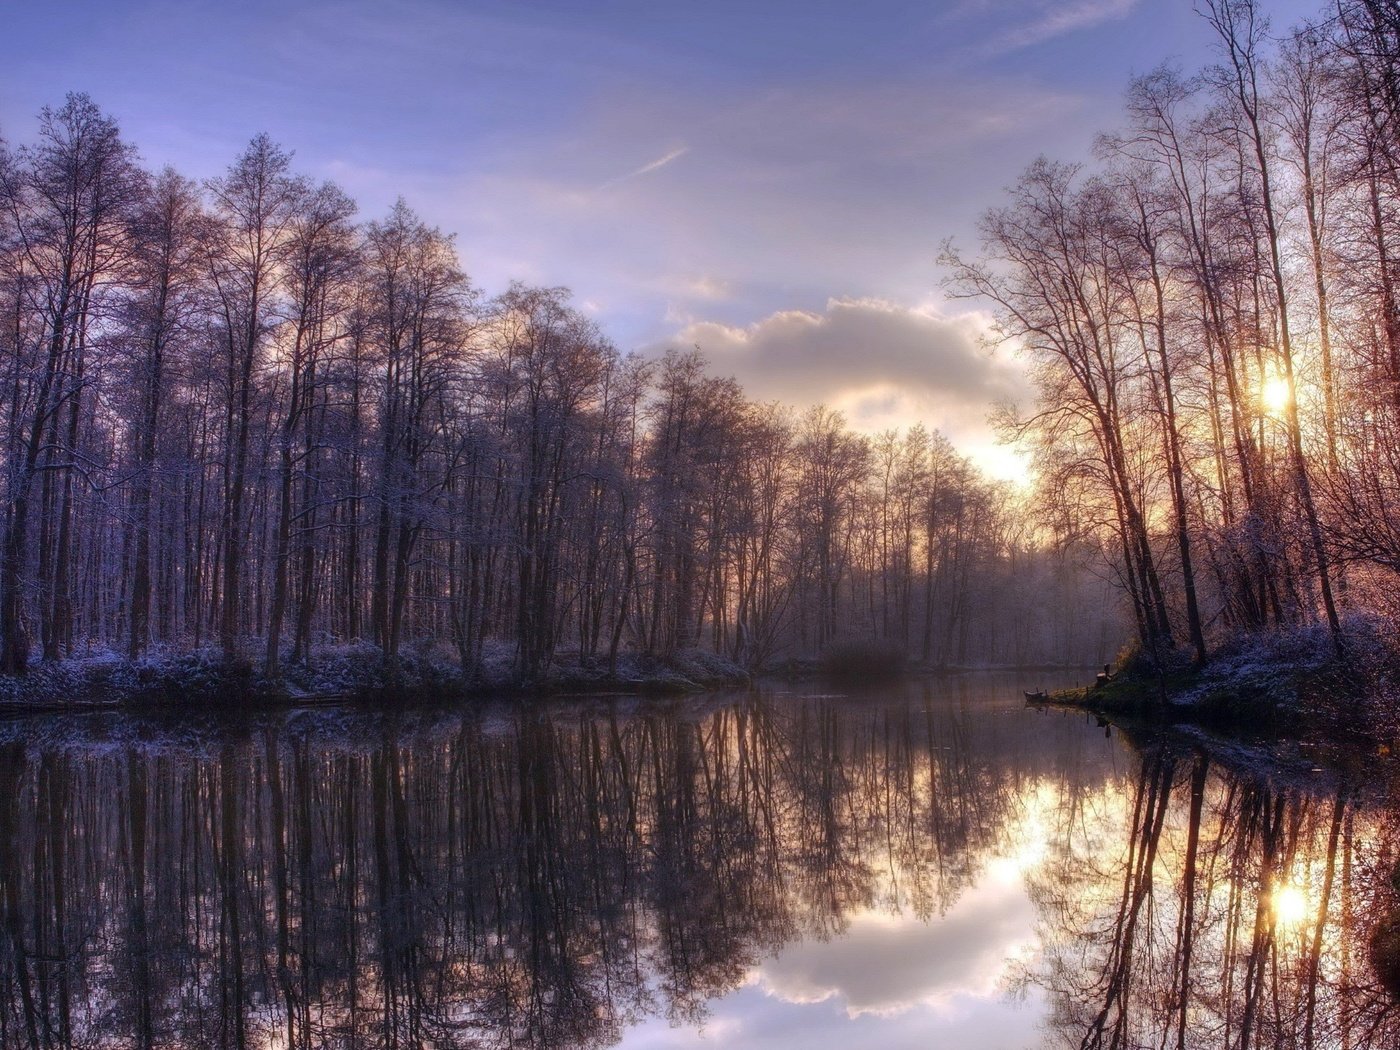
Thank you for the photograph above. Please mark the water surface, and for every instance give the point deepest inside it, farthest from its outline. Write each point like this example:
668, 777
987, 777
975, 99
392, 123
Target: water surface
930, 865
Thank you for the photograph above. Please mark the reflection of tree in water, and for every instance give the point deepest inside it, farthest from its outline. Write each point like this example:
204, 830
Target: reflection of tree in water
542, 878
1202, 906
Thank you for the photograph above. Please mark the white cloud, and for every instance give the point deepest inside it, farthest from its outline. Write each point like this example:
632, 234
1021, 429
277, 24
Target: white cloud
662, 161
880, 363
860, 344
885, 964
646, 169
1032, 22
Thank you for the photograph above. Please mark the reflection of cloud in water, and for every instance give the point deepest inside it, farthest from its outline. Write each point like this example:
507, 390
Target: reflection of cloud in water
893, 980
886, 964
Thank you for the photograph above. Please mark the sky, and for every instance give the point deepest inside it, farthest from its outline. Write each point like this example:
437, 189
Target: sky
769, 180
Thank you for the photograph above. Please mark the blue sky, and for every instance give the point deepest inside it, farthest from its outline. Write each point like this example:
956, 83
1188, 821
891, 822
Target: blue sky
723, 172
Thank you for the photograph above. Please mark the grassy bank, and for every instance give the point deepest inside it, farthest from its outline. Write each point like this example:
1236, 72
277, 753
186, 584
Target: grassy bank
1281, 683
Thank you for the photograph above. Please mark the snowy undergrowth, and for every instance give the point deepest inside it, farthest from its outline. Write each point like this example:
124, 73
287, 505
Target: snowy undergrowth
108, 678
1280, 679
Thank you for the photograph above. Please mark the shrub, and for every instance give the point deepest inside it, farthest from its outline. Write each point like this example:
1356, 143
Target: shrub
1134, 661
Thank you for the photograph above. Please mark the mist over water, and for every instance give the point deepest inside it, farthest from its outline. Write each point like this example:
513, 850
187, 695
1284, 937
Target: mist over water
930, 862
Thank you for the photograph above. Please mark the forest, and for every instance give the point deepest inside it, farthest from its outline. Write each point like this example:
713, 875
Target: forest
239, 419
389, 660
1210, 309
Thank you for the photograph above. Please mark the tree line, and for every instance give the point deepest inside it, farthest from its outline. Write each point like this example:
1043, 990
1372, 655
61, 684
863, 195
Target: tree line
1212, 317
238, 417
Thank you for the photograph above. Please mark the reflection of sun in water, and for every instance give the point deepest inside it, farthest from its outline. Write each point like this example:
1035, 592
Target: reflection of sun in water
1030, 837
1290, 906
1275, 393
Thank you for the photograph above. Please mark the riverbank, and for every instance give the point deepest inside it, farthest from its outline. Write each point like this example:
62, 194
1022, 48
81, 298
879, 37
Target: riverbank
1282, 683
349, 672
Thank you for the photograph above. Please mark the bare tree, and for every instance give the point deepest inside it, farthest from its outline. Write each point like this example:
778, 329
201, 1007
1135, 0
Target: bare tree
256, 204
64, 202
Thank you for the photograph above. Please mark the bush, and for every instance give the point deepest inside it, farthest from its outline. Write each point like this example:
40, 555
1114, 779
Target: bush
1134, 661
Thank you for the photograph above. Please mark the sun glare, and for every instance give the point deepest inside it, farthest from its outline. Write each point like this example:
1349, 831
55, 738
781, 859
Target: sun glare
1275, 393
1290, 906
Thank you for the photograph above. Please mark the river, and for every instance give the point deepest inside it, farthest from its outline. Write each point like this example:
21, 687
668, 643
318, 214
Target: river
931, 864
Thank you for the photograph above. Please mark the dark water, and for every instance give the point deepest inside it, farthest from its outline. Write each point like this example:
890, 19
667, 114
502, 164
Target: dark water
936, 866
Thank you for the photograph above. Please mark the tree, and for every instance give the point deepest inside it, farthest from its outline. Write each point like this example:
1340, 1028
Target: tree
161, 319
64, 202
256, 204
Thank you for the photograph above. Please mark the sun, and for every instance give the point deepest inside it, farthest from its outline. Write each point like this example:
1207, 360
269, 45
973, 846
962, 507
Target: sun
1275, 393
1290, 906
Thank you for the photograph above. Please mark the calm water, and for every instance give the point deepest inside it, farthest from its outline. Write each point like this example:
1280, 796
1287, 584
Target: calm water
932, 866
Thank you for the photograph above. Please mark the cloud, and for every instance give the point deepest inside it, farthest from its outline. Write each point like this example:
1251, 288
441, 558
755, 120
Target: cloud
646, 169
888, 964
881, 363
705, 286
1034, 22
660, 162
